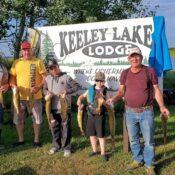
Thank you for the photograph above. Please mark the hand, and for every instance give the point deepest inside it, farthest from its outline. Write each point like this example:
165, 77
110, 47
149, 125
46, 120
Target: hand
63, 94
78, 103
164, 111
49, 93
35, 89
109, 101
4, 88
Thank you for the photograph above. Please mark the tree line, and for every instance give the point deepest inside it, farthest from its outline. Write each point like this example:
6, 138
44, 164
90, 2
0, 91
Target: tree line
17, 15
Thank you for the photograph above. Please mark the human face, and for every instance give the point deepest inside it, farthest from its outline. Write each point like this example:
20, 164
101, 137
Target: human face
54, 70
99, 83
27, 54
135, 60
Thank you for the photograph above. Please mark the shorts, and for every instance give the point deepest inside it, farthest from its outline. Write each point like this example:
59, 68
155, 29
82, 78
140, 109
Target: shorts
24, 110
1, 114
96, 125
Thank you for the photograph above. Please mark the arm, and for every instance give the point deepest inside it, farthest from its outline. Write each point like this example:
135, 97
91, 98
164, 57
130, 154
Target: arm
118, 96
80, 98
4, 88
12, 81
159, 99
73, 86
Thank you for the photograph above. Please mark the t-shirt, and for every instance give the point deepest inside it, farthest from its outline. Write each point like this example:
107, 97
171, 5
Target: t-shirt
28, 73
136, 87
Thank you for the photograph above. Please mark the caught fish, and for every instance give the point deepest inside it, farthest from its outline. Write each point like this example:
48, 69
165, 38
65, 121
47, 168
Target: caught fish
2, 100
164, 127
48, 108
31, 102
100, 103
80, 119
64, 107
16, 100
111, 115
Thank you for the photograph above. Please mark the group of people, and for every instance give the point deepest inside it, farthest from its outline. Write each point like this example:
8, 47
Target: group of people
138, 86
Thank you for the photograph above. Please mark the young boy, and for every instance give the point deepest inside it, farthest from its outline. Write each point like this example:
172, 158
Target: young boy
96, 96
60, 86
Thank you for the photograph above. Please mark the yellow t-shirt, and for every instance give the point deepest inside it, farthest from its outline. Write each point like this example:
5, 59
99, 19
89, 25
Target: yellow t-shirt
26, 72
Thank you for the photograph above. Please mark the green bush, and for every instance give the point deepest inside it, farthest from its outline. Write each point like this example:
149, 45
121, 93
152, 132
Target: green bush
169, 80
7, 62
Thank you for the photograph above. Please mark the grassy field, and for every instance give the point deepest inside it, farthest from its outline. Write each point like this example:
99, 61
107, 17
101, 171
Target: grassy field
172, 52
26, 160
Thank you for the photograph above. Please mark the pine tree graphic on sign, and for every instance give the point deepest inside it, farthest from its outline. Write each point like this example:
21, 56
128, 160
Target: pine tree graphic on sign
47, 47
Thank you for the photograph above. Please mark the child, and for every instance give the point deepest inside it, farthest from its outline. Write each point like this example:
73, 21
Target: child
95, 128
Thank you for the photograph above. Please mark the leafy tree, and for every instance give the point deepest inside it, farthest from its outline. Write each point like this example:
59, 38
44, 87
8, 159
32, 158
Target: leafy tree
19, 14
16, 15
73, 11
4, 16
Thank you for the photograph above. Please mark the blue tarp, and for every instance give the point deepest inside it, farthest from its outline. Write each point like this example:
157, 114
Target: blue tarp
159, 57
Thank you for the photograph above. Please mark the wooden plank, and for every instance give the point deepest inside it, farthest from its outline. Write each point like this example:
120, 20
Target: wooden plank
126, 147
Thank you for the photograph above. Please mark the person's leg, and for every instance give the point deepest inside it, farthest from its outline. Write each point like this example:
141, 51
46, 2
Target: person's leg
19, 121
37, 120
20, 131
66, 133
36, 128
147, 128
93, 140
100, 122
56, 131
132, 123
90, 131
102, 145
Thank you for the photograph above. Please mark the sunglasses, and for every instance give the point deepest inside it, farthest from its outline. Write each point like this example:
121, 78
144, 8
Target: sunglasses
99, 81
52, 67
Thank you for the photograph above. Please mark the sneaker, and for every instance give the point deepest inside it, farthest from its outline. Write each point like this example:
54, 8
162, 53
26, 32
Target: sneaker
105, 157
150, 171
18, 144
37, 144
93, 154
67, 153
135, 165
53, 150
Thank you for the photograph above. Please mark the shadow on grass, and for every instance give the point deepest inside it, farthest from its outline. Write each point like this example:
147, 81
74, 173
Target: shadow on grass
164, 160
21, 171
9, 136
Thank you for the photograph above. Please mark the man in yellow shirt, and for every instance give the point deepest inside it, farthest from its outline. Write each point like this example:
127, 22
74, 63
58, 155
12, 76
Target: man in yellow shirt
27, 76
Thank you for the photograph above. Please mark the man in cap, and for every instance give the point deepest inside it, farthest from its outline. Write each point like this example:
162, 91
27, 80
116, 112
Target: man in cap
95, 129
139, 86
27, 76
59, 86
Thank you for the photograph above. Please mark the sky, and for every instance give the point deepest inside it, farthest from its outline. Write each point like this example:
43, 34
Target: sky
166, 9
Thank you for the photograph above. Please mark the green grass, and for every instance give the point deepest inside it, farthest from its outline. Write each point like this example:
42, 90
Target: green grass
26, 160
172, 52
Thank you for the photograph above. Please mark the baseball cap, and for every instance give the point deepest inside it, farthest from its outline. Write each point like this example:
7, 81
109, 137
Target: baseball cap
25, 45
100, 76
52, 62
135, 50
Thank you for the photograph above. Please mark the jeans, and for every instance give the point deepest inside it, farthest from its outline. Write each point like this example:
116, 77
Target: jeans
141, 123
61, 131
